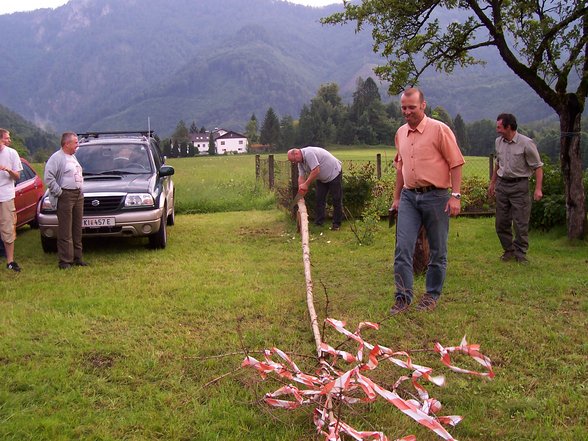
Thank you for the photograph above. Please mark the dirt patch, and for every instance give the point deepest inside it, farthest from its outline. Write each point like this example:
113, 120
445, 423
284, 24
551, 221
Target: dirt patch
100, 361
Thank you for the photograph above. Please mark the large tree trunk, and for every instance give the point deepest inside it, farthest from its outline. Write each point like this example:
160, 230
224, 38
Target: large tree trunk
571, 166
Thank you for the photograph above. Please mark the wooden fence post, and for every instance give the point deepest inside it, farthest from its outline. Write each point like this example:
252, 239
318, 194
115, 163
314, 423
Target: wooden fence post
257, 167
271, 172
379, 166
294, 178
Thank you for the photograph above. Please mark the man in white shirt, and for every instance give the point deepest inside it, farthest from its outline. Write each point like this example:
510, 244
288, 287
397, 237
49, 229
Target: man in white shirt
10, 168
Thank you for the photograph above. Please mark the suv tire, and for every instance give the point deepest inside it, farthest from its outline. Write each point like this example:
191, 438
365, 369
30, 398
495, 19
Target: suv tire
171, 219
49, 245
159, 240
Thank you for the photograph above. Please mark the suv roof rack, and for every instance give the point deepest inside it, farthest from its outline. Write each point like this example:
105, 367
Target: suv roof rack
119, 134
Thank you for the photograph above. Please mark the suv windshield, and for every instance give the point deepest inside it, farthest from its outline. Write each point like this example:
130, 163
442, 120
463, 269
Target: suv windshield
98, 159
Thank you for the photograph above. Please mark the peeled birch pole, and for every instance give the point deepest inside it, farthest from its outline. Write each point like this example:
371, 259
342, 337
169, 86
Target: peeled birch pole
302, 218
303, 225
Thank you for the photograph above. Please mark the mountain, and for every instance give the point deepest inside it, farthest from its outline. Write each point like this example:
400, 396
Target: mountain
112, 64
26, 133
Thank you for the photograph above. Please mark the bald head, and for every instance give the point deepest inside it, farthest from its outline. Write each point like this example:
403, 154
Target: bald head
295, 155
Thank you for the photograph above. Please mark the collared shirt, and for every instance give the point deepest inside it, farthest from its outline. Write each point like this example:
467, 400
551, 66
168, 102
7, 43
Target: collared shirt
312, 157
8, 158
517, 158
427, 154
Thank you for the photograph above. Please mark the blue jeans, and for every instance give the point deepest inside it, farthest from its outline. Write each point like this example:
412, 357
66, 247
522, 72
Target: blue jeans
416, 209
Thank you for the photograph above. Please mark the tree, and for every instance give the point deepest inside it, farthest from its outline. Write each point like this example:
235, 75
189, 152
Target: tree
365, 94
270, 129
439, 113
19, 146
319, 122
193, 127
167, 148
211, 145
181, 139
544, 43
481, 135
251, 130
461, 133
287, 133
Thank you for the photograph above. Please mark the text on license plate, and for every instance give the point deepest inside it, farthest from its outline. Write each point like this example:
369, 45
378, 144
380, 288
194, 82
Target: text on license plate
95, 222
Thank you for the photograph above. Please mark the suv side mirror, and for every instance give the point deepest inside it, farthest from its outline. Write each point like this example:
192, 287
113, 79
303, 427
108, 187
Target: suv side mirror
166, 170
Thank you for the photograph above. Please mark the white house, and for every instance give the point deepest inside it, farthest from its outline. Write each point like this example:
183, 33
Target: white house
230, 142
200, 142
226, 141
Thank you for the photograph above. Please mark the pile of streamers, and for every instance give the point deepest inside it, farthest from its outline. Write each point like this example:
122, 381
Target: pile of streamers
352, 386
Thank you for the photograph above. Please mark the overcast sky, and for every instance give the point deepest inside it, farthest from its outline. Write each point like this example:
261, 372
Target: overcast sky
8, 6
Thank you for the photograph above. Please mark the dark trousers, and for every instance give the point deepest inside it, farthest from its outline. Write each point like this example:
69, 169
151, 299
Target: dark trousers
70, 211
334, 187
513, 210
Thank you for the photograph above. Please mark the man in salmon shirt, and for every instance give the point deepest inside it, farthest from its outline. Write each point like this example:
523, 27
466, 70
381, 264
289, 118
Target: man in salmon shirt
427, 192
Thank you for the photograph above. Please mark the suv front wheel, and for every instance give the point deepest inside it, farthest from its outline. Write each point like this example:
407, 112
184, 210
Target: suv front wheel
159, 240
49, 245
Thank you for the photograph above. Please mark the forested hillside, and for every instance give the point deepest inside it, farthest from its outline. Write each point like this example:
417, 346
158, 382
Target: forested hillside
26, 137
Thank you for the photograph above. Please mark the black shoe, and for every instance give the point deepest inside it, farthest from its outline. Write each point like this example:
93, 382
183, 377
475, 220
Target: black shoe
335, 227
507, 256
427, 303
13, 266
64, 265
522, 259
401, 305
80, 263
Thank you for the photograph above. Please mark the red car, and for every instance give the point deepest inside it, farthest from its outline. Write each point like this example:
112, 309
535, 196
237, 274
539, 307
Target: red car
29, 191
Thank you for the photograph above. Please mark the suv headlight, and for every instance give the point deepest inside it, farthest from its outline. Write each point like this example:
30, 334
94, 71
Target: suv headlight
139, 200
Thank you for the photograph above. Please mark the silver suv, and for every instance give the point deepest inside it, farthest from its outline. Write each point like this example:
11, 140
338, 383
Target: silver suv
128, 190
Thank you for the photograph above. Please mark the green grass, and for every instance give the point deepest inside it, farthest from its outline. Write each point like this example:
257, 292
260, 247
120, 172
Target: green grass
119, 350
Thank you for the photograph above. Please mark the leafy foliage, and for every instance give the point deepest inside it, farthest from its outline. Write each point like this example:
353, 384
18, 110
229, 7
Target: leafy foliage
474, 191
550, 211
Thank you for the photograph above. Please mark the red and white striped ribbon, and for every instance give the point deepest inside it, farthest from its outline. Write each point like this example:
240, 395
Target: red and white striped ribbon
343, 385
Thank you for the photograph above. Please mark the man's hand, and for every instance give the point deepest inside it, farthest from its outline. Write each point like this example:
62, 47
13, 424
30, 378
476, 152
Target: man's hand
303, 188
492, 189
453, 206
537, 195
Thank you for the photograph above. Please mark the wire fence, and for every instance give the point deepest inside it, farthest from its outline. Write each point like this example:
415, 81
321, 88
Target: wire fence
274, 173
281, 176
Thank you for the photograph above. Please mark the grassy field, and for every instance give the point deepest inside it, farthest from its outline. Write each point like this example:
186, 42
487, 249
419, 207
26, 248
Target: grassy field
127, 348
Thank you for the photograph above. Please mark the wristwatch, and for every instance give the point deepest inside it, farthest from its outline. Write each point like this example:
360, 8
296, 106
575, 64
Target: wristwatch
456, 195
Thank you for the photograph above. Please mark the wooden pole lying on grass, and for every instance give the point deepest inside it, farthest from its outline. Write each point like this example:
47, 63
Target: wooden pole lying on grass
302, 219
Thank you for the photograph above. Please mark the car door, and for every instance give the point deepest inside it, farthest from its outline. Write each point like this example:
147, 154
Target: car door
26, 191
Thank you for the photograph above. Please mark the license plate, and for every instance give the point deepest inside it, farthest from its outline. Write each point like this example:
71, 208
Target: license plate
96, 222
